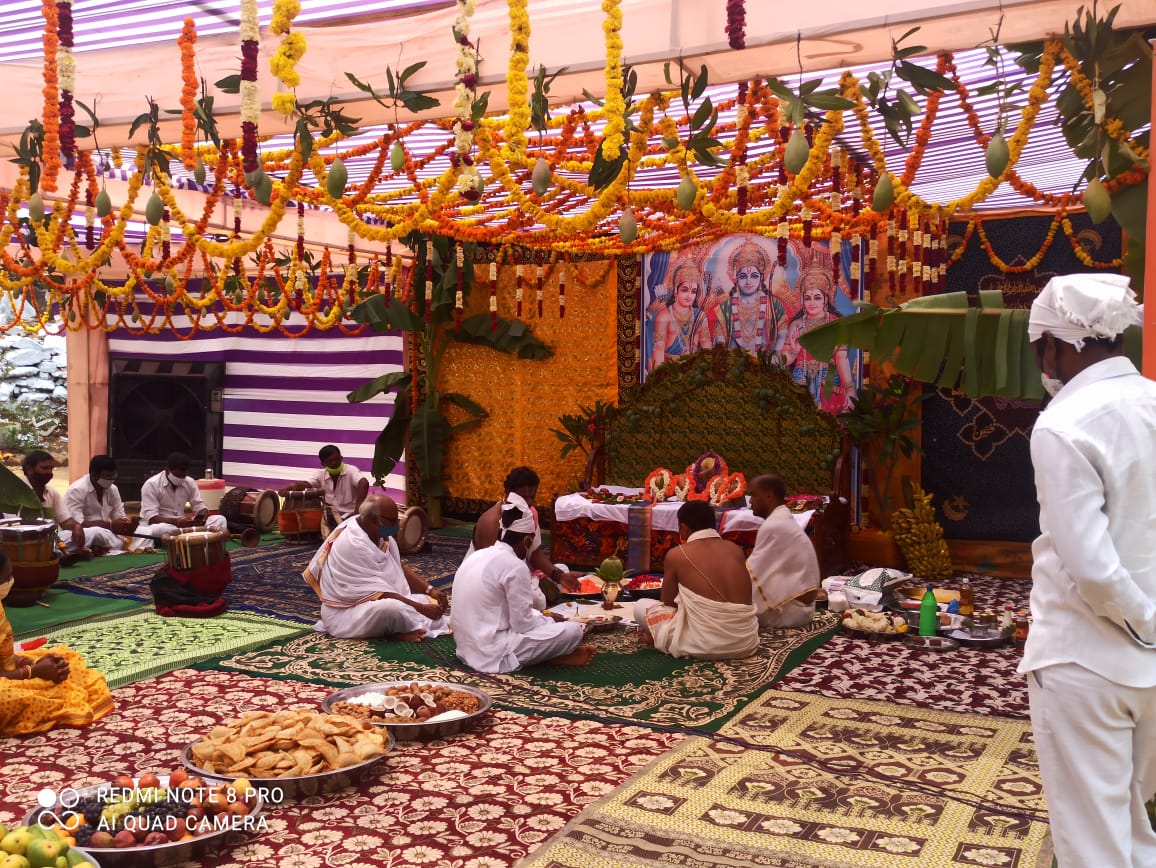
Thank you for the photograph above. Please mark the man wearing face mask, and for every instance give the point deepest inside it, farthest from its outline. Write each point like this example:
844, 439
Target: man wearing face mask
345, 486
498, 625
365, 590
1091, 653
38, 467
163, 498
93, 501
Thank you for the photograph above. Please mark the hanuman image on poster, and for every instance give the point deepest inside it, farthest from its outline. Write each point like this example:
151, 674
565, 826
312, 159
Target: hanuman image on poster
734, 292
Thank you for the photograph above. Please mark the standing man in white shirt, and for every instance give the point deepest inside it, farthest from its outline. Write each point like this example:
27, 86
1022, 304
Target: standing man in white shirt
163, 500
1091, 653
93, 501
344, 485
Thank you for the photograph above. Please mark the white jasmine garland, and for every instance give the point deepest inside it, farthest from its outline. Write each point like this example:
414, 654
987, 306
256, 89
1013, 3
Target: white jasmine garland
250, 27
742, 176
250, 102
66, 69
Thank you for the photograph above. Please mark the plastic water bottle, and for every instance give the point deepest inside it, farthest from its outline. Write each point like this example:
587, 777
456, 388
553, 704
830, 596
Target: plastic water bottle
928, 614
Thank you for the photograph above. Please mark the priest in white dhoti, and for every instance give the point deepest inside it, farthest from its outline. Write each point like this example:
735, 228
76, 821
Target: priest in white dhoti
783, 565
706, 611
365, 589
499, 625
167, 498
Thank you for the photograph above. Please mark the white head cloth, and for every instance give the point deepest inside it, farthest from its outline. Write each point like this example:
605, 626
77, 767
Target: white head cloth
524, 523
1078, 307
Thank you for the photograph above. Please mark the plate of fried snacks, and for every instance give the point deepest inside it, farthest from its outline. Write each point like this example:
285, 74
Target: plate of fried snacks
287, 754
414, 709
874, 625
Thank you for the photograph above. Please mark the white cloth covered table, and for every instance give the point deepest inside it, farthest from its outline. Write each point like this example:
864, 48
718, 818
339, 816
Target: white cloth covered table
663, 516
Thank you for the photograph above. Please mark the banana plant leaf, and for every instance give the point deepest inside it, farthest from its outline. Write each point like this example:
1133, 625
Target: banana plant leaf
510, 336
981, 350
428, 431
476, 411
390, 443
15, 495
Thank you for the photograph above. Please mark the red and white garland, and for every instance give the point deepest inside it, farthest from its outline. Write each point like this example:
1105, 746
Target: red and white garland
66, 69
464, 90
250, 93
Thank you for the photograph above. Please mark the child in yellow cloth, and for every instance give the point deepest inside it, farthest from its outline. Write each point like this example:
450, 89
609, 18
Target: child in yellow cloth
48, 687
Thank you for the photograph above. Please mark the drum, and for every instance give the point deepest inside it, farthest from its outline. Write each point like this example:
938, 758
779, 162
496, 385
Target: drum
411, 535
29, 543
300, 516
193, 549
249, 507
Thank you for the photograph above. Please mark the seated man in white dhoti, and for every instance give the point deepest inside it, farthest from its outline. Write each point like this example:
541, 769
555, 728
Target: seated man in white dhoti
783, 565
38, 467
706, 611
163, 500
94, 502
498, 622
365, 590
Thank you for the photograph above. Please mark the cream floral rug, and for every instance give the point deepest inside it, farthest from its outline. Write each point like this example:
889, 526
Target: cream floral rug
841, 784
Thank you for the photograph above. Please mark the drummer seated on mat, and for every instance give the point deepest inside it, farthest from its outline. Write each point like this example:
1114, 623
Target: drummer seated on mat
344, 485
94, 502
365, 589
163, 498
499, 625
706, 611
38, 467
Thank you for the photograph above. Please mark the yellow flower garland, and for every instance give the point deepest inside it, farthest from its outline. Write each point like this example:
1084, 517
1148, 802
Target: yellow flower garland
615, 105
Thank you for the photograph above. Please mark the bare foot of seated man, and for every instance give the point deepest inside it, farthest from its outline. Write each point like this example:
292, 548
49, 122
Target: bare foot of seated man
580, 656
412, 636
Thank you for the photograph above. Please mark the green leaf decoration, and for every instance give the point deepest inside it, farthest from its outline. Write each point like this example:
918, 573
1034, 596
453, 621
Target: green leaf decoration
390, 443
382, 313
15, 495
428, 431
478, 329
395, 380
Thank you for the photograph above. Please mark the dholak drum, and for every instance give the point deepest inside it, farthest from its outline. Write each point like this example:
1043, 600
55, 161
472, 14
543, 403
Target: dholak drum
194, 549
414, 526
300, 516
29, 543
250, 508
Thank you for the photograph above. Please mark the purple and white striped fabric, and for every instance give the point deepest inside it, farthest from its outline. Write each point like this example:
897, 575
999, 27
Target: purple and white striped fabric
285, 399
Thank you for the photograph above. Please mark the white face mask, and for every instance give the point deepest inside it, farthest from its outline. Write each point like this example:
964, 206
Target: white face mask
104, 483
1051, 385
173, 480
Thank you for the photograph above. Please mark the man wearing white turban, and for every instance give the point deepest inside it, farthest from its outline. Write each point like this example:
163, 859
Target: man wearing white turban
498, 623
1091, 654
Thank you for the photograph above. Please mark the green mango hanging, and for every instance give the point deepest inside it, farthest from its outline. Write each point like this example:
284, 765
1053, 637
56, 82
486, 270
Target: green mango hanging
1098, 201
627, 226
154, 209
336, 179
36, 208
540, 177
687, 192
199, 171
263, 193
884, 194
797, 152
103, 204
396, 157
997, 156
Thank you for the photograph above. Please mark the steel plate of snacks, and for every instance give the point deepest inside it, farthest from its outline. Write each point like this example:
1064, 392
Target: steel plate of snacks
403, 730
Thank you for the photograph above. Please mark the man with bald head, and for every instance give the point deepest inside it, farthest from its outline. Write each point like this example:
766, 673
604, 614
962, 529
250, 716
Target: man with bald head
783, 565
365, 590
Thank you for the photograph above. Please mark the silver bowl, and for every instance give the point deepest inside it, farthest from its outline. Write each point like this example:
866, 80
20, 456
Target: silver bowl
413, 731
171, 853
277, 790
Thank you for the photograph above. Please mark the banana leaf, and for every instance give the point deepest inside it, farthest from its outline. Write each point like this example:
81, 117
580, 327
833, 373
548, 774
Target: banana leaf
428, 431
390, 443
15, 495
981, 350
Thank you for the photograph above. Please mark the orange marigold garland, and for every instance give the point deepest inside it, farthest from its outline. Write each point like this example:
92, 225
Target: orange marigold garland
659, 485
51, 98
187, 40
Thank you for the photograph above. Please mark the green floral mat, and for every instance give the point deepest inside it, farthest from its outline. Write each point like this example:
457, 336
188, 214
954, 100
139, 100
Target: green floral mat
138, 645
625, 681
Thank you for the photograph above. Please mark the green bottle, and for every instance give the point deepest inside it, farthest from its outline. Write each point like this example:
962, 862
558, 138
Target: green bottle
928, 614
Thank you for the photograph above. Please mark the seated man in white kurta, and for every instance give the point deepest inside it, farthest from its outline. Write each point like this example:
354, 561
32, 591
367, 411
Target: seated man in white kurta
783, 565
706, 611
94, 502
343, 485
163, 498
365, 590
38, 467
498, 622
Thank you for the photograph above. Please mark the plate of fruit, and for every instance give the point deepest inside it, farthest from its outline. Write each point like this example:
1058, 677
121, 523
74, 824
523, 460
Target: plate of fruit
874, 625
36, 845
412, 710
151, 819
644, 585
588, 586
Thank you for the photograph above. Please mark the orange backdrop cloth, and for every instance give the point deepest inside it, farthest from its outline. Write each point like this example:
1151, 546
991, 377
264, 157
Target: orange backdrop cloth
526, 397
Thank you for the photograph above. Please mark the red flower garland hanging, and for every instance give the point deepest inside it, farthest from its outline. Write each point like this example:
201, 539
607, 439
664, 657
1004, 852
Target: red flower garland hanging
737, 24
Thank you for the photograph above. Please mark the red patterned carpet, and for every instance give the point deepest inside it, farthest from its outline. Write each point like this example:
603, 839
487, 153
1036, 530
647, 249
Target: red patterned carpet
483, 799
974, 680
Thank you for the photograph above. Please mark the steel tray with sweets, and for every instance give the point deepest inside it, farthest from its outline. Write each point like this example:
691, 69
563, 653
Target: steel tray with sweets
290, 755
412, 710
170, 819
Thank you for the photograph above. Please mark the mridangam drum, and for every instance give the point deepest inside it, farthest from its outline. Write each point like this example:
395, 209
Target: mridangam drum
35, 561
193, 549
414, 526
250, 508
300, 516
